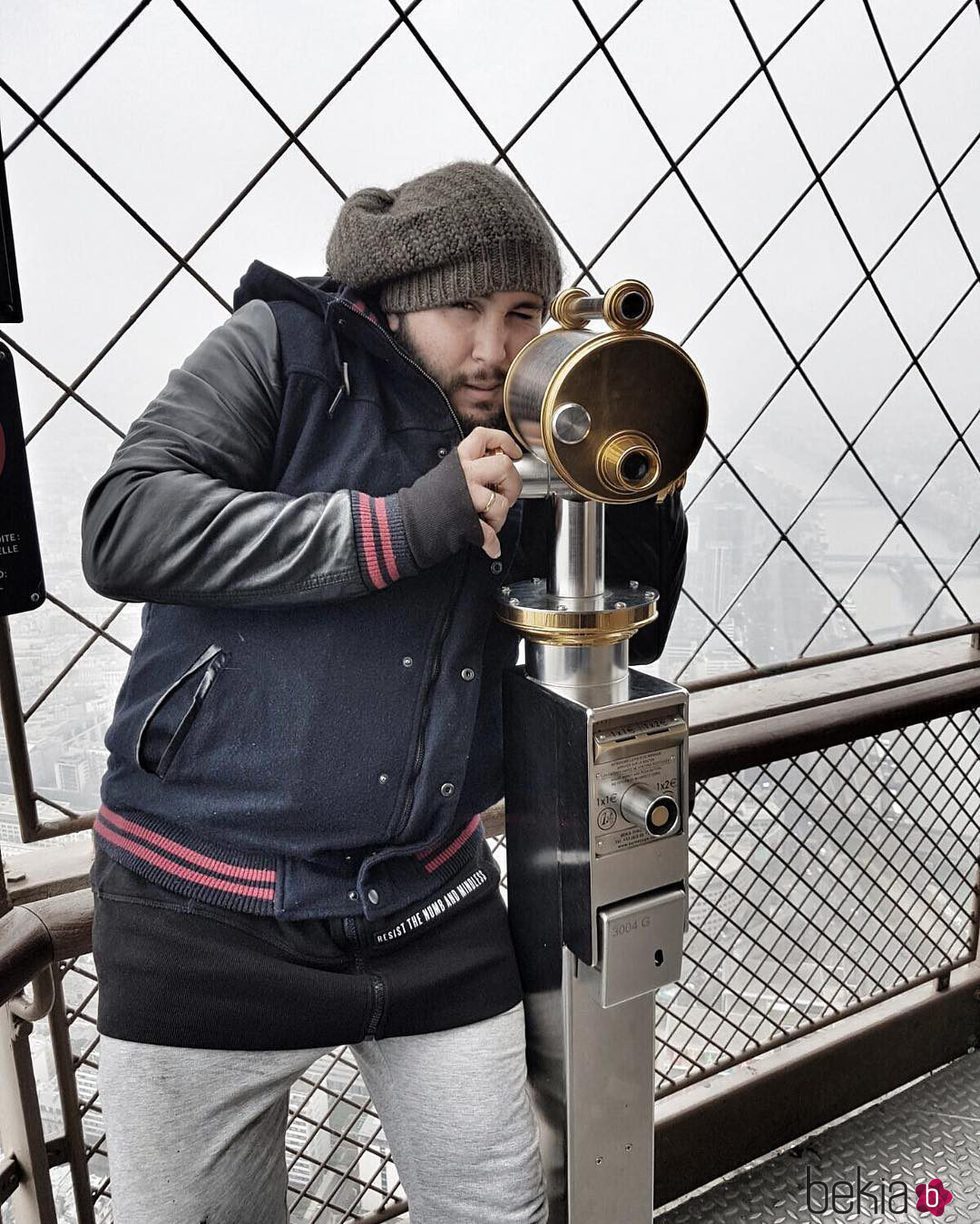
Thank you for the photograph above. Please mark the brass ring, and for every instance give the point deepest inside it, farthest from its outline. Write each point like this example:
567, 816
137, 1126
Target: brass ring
486, 508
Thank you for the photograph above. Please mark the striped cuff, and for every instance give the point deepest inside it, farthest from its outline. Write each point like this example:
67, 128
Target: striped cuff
379, 531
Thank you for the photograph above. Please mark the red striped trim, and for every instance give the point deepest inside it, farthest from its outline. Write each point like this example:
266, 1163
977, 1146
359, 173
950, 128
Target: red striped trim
264, 875
458, 841
185, 873
367, 540
381, 510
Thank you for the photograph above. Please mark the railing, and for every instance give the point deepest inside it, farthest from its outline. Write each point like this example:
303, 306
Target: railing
834, 877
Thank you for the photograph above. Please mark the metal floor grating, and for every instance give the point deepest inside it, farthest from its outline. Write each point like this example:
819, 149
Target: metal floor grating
929, 1130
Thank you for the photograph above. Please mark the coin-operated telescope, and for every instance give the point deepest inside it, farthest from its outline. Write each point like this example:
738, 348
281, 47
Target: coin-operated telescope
595, 754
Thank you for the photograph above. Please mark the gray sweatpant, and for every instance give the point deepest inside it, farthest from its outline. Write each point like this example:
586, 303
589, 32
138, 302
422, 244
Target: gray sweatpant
198, 1136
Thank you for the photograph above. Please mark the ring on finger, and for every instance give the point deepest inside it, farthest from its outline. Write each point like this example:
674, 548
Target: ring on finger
493, 497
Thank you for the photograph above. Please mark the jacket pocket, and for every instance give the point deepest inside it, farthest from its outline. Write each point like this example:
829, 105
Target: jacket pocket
175, 711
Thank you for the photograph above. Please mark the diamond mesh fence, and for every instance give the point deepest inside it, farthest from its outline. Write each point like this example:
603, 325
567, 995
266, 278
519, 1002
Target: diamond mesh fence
819, 885
796, 181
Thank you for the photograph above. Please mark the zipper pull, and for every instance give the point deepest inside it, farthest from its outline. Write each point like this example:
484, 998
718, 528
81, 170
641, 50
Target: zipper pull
343, 389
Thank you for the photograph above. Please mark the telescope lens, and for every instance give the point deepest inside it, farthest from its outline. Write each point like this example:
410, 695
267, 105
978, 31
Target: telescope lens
633, 305
628, 463
635, 467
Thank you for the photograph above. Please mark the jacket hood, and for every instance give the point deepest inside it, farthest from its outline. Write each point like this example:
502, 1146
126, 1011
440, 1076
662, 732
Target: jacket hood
271, 285
314, 292
320, 295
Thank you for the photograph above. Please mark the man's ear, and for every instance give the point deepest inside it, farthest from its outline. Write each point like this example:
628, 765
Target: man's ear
394, 321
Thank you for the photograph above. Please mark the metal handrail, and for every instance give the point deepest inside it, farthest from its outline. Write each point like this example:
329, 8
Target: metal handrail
35, 936
774, 737
807, 663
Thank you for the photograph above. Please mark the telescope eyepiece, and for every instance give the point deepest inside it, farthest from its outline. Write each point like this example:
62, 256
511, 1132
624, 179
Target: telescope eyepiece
629, 463
632, 306
627, 306
634, 467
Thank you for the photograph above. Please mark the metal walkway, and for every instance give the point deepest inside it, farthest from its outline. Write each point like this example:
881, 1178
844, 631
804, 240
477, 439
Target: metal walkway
928, 1130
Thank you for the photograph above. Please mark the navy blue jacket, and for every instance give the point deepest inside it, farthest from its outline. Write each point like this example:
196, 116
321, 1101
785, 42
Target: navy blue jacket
310, 723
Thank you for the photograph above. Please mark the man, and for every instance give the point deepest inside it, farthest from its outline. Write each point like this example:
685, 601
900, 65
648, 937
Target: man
317, 510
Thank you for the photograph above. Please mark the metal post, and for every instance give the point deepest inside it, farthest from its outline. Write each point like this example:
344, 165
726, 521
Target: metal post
577, 562
597, 910
16, 736
597, 674
21, 1132
68, 1089
597, 900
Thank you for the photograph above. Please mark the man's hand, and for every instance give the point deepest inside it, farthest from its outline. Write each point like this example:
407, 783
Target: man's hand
487, 458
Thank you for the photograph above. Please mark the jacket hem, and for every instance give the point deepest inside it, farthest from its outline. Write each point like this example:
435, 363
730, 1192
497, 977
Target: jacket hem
260, 884
188, 865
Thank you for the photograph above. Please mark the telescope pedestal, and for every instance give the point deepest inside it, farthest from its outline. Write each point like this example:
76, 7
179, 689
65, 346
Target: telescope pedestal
595, 756
597, 910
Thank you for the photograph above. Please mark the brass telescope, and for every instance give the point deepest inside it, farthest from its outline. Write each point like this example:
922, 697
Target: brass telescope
608, 418
595, 755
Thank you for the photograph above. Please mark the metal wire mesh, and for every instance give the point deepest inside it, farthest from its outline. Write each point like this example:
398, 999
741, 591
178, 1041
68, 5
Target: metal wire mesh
819, 885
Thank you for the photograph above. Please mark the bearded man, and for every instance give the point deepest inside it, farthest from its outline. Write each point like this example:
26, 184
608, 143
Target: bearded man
317, 511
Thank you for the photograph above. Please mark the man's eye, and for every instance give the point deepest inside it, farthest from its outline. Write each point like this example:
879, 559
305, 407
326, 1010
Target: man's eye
528, 317
463, 306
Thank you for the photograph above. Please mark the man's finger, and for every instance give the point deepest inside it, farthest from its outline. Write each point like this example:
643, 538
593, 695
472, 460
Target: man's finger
491, 506
500, 440
494, 470
510, 486
481, 441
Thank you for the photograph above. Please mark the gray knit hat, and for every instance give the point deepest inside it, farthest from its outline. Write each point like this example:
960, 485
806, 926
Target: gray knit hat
464, 230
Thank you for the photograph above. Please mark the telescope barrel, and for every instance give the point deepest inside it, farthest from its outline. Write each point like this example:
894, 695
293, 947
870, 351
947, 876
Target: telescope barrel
627, 306
616, 416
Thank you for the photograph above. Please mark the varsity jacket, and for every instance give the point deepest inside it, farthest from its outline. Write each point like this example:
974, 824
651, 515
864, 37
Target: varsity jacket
310, 722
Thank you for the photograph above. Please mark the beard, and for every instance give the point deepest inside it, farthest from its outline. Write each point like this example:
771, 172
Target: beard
491, 419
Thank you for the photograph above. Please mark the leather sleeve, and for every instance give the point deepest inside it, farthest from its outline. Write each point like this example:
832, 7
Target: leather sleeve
182, 514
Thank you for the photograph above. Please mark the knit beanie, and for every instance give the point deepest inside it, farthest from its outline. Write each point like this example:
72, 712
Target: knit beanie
464, 230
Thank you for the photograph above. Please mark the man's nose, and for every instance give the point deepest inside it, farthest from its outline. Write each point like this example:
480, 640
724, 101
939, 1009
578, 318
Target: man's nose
490, 343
